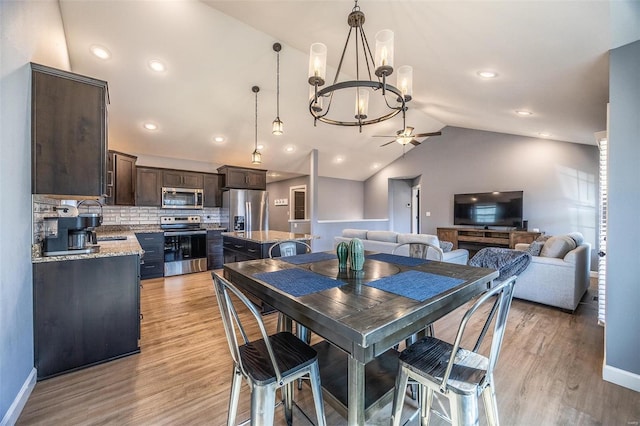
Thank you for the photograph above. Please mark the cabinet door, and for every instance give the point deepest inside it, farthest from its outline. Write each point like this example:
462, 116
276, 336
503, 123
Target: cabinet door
212, 190
148, 187
68, 132
182, 179
214, 250
236, 178
124, 180
256, 179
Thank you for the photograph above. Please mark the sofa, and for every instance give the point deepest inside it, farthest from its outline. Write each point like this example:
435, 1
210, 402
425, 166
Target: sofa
386, 241
558, 274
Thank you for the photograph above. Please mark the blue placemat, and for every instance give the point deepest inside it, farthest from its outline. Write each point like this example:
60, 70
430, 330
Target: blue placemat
298, 282
416, 285
309, 258
398, 260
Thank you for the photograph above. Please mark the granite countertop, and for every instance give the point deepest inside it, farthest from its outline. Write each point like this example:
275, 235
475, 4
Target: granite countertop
268, 236
126, 247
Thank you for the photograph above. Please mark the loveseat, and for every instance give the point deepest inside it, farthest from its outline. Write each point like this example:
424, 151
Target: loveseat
386, 241
558, 274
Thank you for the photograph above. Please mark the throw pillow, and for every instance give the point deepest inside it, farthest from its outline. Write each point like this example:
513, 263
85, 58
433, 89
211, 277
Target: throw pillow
577, 237
558, 246
536, 246
446, 246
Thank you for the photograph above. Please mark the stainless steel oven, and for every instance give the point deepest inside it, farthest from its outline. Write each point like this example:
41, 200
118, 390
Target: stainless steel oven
185, 245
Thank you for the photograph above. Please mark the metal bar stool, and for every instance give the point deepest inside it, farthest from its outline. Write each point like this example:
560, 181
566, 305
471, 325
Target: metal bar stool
460, 375
267, 364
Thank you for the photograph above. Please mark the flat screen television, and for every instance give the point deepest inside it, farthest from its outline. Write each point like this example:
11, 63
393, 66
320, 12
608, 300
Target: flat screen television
488, 209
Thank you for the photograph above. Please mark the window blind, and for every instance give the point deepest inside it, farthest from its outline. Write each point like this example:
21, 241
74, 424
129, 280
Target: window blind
602, 237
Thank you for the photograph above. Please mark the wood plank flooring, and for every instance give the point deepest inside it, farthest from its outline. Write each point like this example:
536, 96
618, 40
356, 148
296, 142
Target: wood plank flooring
549, 371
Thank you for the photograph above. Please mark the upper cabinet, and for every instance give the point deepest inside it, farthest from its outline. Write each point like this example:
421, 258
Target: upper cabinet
121, 179
213, 190
148, 187
182, 179
68, 133
241, 178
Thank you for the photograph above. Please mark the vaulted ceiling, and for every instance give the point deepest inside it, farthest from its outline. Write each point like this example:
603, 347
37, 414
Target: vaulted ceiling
551, 58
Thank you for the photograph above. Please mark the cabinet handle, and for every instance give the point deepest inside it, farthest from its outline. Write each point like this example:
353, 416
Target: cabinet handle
109, 178
251, 250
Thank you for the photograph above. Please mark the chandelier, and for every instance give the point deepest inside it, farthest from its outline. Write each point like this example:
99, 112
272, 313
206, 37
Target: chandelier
391, 100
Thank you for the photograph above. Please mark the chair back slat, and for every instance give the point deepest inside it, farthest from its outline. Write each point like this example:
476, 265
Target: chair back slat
288, 248
503, 293
233, 324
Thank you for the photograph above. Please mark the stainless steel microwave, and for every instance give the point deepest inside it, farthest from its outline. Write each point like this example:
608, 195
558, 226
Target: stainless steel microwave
182, 198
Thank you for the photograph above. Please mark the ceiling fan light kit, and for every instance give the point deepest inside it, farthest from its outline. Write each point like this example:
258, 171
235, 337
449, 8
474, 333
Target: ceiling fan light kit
321, 97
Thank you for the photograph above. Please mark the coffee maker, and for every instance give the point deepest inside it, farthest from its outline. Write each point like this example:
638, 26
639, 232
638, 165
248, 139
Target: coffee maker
71, 235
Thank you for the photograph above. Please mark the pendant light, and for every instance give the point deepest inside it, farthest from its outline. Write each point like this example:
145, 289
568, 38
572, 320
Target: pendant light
256, 157
278, 125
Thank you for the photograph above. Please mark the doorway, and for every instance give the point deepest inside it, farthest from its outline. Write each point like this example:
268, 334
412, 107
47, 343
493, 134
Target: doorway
415, 209
298, 205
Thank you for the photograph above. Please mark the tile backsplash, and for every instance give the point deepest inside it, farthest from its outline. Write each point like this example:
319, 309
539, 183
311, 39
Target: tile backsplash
44, 207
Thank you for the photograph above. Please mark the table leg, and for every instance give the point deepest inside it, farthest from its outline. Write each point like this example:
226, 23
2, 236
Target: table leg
356, 392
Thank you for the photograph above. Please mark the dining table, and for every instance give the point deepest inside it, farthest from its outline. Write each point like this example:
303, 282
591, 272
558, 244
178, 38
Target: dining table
360, 315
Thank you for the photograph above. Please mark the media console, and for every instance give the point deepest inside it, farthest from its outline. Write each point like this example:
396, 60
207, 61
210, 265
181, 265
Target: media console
474, 239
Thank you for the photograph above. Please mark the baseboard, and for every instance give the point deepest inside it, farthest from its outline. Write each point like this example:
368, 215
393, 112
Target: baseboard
621, 377
11, 416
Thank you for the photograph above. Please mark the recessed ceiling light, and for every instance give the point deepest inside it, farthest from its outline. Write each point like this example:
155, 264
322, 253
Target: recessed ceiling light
100, 52
290, 148
219, 139
156, 65
375, 166
260, 146
150, 126
544, 134
339, 159
487, 74
523, 113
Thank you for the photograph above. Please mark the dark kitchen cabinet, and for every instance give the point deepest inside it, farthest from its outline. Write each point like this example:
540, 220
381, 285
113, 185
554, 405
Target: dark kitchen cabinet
213, 190
182, 179
241, 178
148, 187
85, 312
152, 262
215, 258
68, 133
121, 179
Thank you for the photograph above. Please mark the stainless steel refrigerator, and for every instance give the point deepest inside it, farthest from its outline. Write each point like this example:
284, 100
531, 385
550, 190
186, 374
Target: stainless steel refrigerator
247, 209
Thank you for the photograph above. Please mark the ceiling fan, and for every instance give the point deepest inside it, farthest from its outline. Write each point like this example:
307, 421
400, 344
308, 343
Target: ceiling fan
405, 136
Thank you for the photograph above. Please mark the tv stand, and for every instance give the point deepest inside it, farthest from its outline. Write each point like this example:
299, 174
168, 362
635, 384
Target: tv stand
474, 239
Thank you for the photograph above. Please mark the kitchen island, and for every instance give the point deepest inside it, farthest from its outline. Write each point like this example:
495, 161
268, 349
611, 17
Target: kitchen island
240, 246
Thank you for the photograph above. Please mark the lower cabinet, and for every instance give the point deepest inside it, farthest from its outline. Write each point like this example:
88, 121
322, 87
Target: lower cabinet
152, 262
215, 258
85, 312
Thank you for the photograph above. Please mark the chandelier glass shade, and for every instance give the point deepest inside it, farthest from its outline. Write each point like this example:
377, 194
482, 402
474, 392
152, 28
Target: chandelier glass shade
256, 157
370, 84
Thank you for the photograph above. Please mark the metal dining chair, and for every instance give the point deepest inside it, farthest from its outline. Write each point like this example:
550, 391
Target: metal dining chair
267, 363
460, 375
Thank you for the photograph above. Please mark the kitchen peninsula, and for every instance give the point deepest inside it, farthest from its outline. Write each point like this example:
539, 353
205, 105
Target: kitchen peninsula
248, 245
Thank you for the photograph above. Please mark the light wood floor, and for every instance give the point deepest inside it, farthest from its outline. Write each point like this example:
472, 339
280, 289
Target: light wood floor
549, 371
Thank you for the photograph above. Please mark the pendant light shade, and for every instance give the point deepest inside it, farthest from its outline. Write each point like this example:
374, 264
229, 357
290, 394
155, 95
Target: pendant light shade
256, 157
278, 125
405, 81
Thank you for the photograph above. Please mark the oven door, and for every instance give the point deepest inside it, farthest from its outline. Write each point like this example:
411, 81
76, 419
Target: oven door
185, 252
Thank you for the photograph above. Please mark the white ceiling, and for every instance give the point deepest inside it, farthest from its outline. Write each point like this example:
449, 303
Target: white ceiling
551, 57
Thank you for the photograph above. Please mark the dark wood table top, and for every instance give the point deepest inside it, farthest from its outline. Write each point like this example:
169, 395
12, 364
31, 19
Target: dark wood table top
361, 320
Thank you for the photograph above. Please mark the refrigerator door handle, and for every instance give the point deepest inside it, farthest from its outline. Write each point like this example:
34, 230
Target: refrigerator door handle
247, 223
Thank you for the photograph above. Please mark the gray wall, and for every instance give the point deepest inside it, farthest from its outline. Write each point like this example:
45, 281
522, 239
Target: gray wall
29, 31
622, 330
340, 199
559, 179
279, 215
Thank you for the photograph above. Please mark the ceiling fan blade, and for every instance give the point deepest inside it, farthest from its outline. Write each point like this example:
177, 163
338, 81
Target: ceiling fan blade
385, 144
422, 135
384, 136
414, 142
